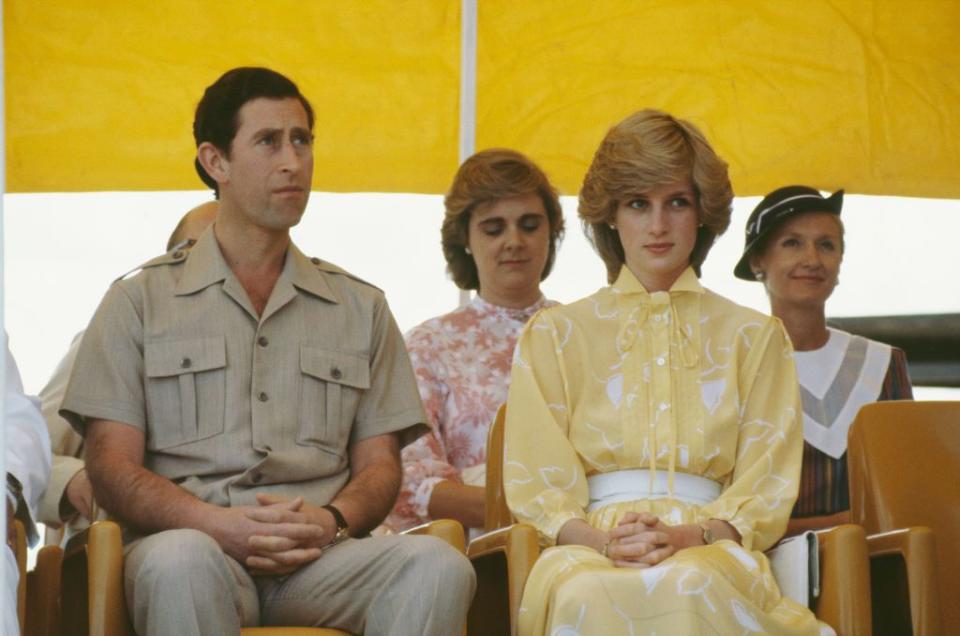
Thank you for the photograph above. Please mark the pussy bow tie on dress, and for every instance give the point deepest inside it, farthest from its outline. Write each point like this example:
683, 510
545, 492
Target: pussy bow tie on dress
635, 309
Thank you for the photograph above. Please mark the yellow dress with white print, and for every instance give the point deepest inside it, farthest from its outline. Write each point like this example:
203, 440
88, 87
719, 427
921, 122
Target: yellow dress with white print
679, 386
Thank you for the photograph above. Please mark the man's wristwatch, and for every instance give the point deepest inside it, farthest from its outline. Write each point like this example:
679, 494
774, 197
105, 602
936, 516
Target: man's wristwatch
343, 529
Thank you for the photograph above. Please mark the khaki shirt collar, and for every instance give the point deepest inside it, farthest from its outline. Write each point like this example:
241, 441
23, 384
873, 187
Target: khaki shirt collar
307, 277
206, 266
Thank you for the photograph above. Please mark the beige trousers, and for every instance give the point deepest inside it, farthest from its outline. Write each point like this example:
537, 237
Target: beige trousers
180, 582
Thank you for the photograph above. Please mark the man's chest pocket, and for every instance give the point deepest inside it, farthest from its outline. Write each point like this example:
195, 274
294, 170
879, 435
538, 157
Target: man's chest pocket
186, 381
331, 386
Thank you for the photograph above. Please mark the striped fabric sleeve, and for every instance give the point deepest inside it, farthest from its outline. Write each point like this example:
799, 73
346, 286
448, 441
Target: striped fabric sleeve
896, 385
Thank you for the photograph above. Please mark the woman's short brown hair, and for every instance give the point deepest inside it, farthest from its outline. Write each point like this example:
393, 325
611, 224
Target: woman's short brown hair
647, 149
484, 178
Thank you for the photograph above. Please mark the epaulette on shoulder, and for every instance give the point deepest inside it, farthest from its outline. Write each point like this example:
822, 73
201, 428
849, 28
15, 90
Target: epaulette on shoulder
177, 254
330, 268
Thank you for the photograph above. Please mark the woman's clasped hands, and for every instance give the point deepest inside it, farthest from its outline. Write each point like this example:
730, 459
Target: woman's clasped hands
642, 540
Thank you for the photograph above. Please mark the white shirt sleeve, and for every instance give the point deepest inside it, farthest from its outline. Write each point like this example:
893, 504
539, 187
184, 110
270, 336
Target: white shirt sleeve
28, 443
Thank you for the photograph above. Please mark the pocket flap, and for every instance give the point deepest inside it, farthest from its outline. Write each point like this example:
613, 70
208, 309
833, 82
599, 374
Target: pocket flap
175, 357
349, 369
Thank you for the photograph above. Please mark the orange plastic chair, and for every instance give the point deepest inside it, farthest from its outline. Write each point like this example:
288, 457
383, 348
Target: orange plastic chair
904, 465
92, 583
504, 556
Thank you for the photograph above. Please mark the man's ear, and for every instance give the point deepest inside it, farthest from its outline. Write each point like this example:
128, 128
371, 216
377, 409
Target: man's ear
214, 162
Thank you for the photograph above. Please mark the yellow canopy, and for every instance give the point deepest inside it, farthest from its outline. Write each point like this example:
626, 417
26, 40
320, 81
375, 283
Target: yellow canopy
861, 94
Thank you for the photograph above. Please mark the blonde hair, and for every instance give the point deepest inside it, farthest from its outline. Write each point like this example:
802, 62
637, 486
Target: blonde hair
483, 179
647, 149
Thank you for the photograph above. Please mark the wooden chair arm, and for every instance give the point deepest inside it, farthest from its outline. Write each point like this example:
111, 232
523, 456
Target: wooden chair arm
20, 551
519, 545
844, 601
92, 581
447, 529
43, 593
291, 631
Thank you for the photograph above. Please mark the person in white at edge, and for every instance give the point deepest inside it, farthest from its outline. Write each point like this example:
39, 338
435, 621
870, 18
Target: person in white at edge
28, 469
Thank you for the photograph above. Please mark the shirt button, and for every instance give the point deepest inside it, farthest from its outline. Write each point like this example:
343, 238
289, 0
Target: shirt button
335, 373
664, 406
262, 396
185, 363
661, 361
657, 318
256, 478
262, 341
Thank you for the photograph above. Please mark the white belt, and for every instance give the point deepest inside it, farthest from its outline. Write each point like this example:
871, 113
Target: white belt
632, 485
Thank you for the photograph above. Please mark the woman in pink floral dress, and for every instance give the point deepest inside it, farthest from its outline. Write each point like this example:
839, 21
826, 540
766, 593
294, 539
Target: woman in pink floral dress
500, 233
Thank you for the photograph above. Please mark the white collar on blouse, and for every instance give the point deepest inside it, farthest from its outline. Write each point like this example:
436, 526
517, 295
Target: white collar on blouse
835, 381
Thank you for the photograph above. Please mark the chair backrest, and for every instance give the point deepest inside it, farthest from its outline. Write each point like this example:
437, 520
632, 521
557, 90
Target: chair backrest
496, 514
904, 465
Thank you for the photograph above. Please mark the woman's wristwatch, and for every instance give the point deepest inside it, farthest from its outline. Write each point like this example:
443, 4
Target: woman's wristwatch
708, 535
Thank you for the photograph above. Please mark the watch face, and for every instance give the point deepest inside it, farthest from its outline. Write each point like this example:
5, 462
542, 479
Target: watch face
708, 536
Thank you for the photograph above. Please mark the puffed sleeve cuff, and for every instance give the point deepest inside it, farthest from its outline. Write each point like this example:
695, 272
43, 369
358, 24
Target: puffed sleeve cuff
63, 470
550, 531
745, 529
421, 496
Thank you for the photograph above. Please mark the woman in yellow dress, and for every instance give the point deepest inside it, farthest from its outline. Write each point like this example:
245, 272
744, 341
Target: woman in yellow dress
653, 430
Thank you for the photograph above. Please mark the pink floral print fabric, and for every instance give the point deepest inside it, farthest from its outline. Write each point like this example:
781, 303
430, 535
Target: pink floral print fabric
462, 363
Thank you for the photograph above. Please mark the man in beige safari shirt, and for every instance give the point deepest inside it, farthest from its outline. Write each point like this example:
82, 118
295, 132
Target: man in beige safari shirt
67, 505
243, 408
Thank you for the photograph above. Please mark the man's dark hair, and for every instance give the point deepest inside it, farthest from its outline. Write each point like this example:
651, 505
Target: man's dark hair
217, 117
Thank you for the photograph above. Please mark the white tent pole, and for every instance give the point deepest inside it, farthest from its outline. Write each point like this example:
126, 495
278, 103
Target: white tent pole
468, 79
3, 329
468, 90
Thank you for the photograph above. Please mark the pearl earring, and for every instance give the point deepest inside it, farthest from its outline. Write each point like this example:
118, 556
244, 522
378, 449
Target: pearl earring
759, 275
467, 250
612, 226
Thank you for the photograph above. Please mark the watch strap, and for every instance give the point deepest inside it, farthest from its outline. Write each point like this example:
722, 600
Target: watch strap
343, 527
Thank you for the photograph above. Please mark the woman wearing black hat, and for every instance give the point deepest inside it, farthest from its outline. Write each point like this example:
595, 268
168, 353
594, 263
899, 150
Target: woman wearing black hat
794, 246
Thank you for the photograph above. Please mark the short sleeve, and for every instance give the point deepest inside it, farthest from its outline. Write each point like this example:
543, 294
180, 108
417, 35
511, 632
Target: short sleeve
763, 488
391, 404
107, 378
